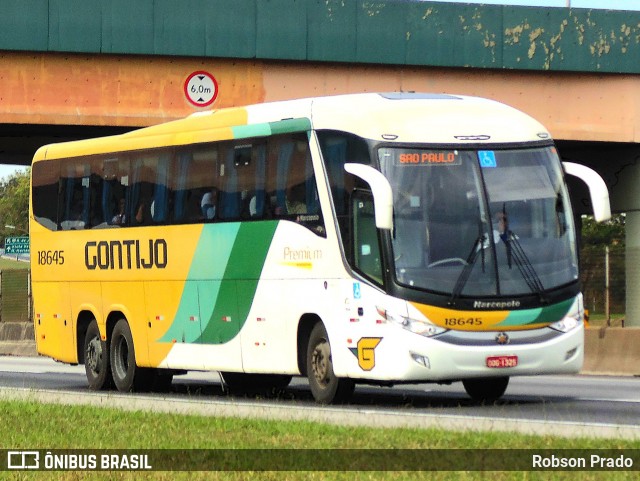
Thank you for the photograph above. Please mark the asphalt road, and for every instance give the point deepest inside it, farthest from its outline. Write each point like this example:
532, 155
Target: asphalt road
590, 406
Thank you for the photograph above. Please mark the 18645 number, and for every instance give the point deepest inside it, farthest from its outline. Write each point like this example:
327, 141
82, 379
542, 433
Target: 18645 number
47, 258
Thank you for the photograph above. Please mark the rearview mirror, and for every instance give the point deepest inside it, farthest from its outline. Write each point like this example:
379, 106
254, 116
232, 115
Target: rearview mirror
381, 190
597, 189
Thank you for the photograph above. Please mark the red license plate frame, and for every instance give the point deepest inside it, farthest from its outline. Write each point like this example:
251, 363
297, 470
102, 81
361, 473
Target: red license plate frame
501, 362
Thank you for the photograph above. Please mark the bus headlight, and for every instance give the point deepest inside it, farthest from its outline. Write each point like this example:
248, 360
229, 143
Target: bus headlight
424, 328
565, 325
572, 319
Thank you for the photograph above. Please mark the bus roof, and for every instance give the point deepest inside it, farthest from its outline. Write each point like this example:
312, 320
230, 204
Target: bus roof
399, 117
412, 117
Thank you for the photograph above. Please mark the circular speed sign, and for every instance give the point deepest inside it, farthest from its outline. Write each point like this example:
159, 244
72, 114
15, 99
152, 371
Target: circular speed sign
201, 88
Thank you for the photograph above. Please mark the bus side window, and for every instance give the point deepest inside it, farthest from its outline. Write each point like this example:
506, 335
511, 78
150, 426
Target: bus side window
141, 205
296, 193
45, 193
181, 194
194, 182
339, 148
366, 248
258, 203
230, 198
114, 188
160, 198
75, 194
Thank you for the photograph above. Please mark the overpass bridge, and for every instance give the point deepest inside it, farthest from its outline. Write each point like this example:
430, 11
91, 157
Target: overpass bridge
79, 68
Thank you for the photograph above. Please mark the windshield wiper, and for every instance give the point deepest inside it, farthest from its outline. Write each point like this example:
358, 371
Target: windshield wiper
477, 248
529, 274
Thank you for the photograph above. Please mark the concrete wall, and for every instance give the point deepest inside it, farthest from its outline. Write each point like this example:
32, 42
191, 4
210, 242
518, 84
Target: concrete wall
612, 351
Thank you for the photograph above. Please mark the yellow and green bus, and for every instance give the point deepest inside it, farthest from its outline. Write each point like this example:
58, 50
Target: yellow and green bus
364, 238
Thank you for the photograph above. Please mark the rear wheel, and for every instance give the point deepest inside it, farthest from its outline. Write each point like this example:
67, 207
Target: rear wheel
96, 359
486, 390
123, 359
325, 386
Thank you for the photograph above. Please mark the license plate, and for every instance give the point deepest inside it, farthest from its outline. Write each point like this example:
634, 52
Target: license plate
502, 361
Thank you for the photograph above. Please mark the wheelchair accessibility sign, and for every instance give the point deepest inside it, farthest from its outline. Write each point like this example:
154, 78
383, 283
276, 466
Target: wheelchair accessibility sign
487, 158
357, 294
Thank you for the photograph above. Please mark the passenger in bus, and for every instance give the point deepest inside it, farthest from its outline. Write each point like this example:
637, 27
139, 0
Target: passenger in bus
253, 209
294, 200
120, 218
500, 227
209, 203
143, 214
76, 213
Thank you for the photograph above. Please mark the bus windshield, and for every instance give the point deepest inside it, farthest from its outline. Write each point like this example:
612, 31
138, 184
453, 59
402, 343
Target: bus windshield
480, 222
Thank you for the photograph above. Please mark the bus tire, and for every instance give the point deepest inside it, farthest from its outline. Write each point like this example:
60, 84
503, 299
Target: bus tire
96, 359
486, 390
326, 388
123, 358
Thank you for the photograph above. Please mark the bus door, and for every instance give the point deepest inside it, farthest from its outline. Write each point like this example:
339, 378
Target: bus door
272, 294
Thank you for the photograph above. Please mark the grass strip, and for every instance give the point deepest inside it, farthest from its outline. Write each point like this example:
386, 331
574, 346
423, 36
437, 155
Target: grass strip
30, 425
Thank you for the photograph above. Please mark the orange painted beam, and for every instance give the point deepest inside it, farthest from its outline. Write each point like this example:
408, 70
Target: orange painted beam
48, 88
573, 106
113, 90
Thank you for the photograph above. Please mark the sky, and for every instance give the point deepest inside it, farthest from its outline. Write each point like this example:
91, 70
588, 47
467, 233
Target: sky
9, 170
603, 4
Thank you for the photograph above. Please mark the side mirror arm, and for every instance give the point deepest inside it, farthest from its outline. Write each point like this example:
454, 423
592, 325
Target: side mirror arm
381, 190
597, 189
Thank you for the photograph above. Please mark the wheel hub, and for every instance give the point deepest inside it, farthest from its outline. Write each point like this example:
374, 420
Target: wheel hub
94, 354
320, 363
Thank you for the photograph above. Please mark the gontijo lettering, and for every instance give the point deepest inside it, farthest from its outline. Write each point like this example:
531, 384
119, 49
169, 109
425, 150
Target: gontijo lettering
126, 254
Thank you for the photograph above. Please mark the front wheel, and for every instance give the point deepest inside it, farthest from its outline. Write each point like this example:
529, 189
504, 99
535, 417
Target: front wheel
123, 358
325, 386
96, 359
486, 390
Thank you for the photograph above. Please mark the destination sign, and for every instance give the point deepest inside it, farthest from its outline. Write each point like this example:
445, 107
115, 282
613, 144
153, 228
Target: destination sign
428, 157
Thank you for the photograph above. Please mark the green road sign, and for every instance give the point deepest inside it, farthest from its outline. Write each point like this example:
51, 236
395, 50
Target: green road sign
16, 245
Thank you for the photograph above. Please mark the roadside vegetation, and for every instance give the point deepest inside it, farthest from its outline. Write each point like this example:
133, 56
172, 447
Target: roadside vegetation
30, 425
602, 255
6, 263
14, 205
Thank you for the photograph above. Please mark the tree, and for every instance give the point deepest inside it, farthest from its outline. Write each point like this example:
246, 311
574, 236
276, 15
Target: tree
597, 237
14, 204
611, 232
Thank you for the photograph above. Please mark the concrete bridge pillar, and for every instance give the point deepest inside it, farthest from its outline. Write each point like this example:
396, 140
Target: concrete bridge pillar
632, 267
625, 197
619, 165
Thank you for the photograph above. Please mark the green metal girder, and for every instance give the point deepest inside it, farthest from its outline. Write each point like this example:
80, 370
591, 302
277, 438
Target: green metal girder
389, 32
